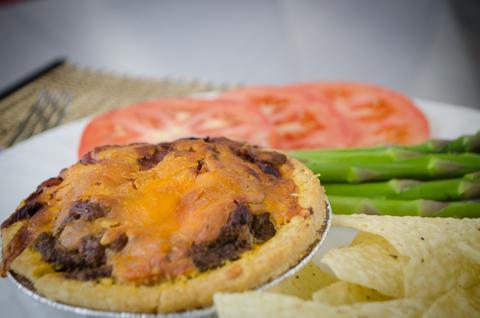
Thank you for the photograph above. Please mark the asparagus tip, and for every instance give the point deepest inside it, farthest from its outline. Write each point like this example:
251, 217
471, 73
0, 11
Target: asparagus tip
469, 189
431, 208
400, 185
363, 174
472, 143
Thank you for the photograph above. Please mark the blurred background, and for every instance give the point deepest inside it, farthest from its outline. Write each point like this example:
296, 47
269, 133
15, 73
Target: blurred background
428, 48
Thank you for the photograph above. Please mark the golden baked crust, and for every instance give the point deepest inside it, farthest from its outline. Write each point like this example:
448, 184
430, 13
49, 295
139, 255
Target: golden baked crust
191, 289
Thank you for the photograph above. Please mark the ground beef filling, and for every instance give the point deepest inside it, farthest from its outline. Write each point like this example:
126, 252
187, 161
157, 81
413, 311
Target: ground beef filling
237, 236
150, 156
261, 227
91, 156
31, 205
267, 161
28, 210
86, 263
85, 210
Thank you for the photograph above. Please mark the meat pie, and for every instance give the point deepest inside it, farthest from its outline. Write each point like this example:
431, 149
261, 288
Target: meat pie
161, 228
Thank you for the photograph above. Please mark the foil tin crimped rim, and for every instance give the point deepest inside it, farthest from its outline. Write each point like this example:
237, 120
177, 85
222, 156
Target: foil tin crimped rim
26, 287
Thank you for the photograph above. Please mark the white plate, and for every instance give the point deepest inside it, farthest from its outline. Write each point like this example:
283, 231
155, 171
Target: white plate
25, 165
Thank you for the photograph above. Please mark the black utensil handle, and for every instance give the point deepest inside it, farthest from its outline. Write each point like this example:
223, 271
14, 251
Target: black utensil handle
31, 77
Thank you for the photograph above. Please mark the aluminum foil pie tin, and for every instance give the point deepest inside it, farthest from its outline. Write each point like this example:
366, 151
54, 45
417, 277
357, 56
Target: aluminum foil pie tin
26, 287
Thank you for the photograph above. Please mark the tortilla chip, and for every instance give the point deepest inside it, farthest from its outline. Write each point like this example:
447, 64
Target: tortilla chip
255, 304
372, 262
456, 303
303, 284
443, 252
262, 305
406, 307
367, 238
344, 293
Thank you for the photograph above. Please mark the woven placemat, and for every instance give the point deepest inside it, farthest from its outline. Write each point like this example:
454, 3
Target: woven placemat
91, 92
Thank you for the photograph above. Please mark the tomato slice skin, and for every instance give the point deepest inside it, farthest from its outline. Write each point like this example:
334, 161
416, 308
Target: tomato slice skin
298, 121
376, 115
164, 120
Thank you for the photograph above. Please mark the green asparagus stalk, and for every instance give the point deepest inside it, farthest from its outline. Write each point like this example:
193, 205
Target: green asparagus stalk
420, 207
430, 166
406, 173
373, 155
387, 155
464, 188
467, 143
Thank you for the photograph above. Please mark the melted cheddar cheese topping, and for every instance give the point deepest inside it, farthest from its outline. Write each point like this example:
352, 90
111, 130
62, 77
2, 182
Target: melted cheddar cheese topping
164, 199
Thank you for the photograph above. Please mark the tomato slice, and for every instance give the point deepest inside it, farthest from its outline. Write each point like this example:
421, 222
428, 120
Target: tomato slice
166, 120
312, 115
376, 115
297, 121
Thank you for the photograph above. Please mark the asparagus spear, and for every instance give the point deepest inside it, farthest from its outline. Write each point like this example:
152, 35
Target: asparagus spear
371, 155
420, 207
467, 143
386, 155
429, 166
464, 188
